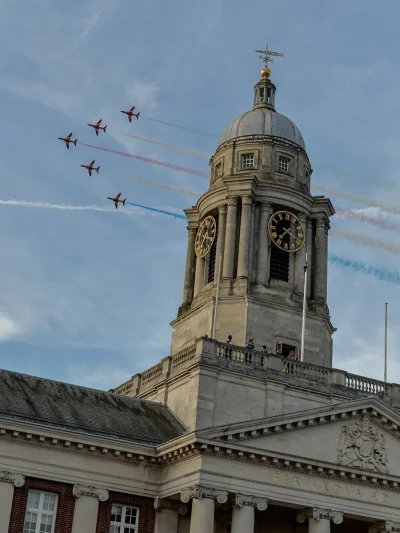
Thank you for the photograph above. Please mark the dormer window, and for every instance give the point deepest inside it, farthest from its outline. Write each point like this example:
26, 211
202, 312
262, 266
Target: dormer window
283, 164
247, 161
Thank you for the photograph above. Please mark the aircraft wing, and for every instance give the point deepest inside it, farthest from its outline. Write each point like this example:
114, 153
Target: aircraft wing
92, 163
116, 205
69, 136
118, 195
132, 109
99, 122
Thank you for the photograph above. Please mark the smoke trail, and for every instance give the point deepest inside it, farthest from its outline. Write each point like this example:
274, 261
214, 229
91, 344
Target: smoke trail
148, 160
357, 266
355, 215
61, 207
161, 211
181, 127
156, 184
355, 175
190, 151
360, 199
369, 241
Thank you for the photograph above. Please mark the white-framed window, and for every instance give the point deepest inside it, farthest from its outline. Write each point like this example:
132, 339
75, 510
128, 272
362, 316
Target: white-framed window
41, 509
283, 164
247, 160
124, 519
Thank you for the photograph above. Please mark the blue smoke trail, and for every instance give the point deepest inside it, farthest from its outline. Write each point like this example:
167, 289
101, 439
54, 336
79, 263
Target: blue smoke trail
358, 266
162, 211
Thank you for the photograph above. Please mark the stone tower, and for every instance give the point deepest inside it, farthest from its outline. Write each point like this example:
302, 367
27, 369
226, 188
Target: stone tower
260, 168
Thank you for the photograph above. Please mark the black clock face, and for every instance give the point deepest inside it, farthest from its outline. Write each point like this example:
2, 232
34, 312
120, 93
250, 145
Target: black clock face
286, 231
205, 236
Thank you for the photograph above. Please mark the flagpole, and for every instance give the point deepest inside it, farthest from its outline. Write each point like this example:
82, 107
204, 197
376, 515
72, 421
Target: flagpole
216, 297
303, 325
386, 315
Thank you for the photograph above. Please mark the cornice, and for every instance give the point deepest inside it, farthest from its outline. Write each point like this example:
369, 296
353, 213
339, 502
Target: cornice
260, 139
30, 434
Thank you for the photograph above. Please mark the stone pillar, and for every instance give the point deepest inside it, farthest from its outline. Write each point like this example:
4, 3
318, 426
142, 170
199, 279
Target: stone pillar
230, 238
243, 512
244, 239
309, 248
263, 245
300, 259
199, 278
384, 526
167, 516
7, 483
189, 268
203, 506
255, 236
220, 239
251, 252
319, 520
321, 260
86, 508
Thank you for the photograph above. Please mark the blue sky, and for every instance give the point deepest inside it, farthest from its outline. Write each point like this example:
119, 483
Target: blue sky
87, 296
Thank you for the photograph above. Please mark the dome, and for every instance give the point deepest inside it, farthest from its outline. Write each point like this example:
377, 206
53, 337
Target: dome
263, 121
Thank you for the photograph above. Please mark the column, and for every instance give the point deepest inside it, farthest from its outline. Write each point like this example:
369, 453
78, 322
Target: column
199, 278
384, 526
309, 248
244, 238
203, 506
255, 232
319, 520
220, 238
7, 483
263, 244
230, 238
167, 516
86, 508
189, 268
321, 251
300, 259
243, 512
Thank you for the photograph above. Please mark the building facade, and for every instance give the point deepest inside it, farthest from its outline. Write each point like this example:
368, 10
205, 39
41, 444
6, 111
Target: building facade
218, 437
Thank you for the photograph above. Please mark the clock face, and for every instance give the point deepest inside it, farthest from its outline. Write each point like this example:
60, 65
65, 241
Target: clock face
205, 236
286, 231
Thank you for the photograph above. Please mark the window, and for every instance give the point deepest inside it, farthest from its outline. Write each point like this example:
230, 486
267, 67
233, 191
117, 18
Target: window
269, 99
124, 519
40, 516
279, 264
247, 160
218, 170
284, 164
212, 256
261, 95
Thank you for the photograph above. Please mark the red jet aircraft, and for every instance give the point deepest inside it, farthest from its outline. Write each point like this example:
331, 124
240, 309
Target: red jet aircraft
116, 200
97, 126
131, 114
90, 167
68, 140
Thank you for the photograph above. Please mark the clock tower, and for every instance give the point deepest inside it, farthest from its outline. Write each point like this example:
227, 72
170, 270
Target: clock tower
251, 231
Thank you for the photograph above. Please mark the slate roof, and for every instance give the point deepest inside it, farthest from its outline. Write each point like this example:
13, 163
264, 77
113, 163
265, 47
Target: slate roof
91, 411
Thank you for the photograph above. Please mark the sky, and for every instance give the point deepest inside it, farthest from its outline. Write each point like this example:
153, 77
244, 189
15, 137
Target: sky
87, 295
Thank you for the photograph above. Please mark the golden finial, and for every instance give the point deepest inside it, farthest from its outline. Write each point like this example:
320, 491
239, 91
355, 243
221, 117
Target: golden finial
266, 57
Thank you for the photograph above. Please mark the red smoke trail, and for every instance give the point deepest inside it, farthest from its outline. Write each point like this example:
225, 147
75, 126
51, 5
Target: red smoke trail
391, 226
148, 160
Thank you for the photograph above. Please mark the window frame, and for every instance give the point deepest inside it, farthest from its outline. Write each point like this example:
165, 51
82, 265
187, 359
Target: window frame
134, 528
291, 163
40, 511
285, 163
241, 154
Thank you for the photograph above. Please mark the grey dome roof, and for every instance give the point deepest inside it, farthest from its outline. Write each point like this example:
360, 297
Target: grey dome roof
263, 121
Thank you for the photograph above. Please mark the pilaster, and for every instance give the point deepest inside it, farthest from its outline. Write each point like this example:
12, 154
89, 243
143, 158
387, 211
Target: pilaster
203, 507
8, 482
243, 512
321, 261
86, 507
319, 520
300, 259
199, 277
189, 268
263, 245
167, 516
220, 238
230, 238
244, 238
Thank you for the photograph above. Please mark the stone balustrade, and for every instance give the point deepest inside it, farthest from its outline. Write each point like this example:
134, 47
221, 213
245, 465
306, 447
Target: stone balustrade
233, 357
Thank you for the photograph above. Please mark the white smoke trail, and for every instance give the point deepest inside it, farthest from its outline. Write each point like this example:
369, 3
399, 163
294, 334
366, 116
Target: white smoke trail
66, 207
156, 184
190, 151
369, 241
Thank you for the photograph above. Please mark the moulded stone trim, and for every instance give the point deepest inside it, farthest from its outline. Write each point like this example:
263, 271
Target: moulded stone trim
83, 490
384, 526
200, 492
317, 514
18, 480
172, 505
260, 503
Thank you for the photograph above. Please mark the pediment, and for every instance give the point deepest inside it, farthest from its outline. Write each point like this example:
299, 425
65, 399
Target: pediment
362, 434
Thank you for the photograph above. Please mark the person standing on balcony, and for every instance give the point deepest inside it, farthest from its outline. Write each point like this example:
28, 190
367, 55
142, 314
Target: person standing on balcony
250, 344
229, 341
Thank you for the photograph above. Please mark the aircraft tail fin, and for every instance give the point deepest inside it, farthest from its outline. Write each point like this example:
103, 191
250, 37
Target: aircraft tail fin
75, 141
105, 127
123, 201
97, 169
137, 116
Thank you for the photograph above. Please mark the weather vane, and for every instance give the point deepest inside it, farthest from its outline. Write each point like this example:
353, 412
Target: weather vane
265, 55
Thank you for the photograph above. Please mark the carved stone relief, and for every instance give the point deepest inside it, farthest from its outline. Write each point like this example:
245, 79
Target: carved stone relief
362, 445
